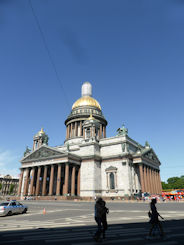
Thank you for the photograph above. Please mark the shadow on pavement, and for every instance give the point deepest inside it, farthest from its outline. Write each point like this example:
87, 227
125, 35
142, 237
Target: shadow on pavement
124, 233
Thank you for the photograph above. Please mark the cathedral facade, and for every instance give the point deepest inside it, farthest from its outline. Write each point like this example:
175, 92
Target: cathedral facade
89, 164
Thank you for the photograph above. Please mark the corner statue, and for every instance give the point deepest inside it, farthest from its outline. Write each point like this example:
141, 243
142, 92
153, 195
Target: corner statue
122, 131
46, 139
27, 151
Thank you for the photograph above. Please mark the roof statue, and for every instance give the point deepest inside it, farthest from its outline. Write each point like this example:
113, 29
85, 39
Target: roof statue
147, 145
125, 147
122, 131
27, 151
46, 139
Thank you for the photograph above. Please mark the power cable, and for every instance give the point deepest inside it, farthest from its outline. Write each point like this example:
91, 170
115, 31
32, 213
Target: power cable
48, 52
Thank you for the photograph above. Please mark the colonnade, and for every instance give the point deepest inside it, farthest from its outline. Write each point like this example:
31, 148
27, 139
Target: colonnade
9, 185
56, 179
75, 129
150, 179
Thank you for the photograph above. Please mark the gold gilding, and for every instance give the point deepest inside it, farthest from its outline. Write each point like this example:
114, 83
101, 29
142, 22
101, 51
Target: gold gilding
41, 131
86, 101
91, 117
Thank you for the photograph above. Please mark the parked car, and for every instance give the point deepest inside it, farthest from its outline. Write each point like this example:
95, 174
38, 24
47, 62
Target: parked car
12, 207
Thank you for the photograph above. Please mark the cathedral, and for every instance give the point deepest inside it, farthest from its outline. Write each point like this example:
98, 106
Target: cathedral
89, 164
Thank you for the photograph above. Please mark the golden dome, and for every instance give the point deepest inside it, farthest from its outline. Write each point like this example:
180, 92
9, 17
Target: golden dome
86, 101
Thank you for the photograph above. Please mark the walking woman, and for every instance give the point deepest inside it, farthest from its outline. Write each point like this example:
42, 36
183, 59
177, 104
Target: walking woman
154, 221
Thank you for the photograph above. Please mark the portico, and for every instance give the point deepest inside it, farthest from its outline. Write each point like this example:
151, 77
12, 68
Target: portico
43, 176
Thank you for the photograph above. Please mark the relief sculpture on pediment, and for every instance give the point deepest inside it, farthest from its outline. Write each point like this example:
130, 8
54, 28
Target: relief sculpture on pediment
42, 153
151, 156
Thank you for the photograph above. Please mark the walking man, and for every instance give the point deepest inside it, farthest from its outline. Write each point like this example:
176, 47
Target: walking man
100, 218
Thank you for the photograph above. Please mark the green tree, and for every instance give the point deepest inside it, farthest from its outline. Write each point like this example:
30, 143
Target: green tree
11, 188
166, 186
175, 183
0, 186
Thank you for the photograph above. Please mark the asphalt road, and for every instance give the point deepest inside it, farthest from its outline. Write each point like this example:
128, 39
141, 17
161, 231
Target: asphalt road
73, 223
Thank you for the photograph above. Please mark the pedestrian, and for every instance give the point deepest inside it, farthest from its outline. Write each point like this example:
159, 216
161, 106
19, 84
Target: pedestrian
101, 218
154, 220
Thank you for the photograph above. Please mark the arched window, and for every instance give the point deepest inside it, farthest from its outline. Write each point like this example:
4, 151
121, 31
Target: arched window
112, 183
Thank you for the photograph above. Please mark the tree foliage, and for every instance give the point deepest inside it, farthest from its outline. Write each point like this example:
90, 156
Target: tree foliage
174, 183
11, 188
1, 186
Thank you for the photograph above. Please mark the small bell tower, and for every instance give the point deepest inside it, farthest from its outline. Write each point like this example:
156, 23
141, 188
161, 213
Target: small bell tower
39, 139
91, 129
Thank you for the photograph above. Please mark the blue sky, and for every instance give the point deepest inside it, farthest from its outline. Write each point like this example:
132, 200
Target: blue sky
132, 52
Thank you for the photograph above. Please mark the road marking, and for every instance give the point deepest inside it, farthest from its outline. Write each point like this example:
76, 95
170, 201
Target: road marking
174, 235
112, 241
163, 243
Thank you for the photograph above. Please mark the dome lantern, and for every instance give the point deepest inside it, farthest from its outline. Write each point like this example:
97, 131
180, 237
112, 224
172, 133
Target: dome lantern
86, 89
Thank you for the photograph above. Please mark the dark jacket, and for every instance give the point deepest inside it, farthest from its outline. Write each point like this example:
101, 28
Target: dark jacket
100, 209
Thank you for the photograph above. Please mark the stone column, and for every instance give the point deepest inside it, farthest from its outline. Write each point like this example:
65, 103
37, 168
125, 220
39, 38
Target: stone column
155, 181
66, 132
51, 181
73, 181
69, 130
72, 130
141, 177
83, 133
145, 180
104, 132
91, 131
26, 182
38, 181
76, 134
151, 183
160, 182
65, 191
78, 183
100, 131
44, 181
20, 182
32, 180
148, 177
58, 180
94, 132
80, 128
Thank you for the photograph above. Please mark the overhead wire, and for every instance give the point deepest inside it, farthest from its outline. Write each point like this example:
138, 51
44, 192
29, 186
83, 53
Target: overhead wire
48, 51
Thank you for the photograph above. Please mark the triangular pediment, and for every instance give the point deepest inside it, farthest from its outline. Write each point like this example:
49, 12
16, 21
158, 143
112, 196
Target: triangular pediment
150, 154
42, 153
111, 168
